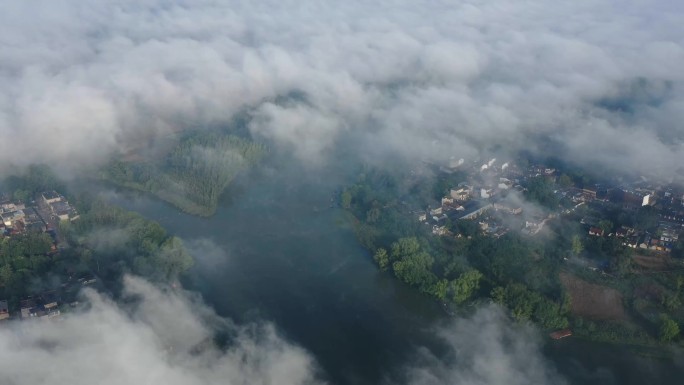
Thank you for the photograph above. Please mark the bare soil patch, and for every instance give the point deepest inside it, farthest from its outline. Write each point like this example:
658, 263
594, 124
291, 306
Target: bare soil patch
652, 262
593, 301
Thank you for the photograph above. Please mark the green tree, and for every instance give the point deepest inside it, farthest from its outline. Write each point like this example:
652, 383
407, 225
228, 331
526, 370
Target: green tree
440, 289
373, 215
577, 245
671, 302
606, 226
565, 181
465, 285
498, 294
172, 258
381, 258
6, 275
346, 199
414, 269
669, 329
404, 247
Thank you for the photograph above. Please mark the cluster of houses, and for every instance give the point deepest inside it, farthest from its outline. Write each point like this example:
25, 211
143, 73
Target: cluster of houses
665, 201
41, 215
475, 199
17, 218
482, 198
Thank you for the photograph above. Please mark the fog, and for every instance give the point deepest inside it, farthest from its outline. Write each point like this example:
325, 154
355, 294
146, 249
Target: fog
167, 336
599, 80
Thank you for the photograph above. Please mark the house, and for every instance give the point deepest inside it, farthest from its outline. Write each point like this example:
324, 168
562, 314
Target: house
422, 217
435, 212
473, 210
4, 310
460, 194
63, 210
48, 309
439, 230
447, 201
26, 306
507, 209
50, 197
596, 231
11, 217
485, 193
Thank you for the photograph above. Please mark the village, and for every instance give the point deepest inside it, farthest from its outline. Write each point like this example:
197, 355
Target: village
504, 196
41, 215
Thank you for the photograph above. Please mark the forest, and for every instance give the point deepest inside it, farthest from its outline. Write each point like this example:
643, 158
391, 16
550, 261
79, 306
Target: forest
194, 174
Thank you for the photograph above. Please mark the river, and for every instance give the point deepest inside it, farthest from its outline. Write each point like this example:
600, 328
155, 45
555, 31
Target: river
276, 251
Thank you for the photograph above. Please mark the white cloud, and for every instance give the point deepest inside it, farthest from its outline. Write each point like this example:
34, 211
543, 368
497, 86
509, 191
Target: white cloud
164, 339
486, 349
79, 80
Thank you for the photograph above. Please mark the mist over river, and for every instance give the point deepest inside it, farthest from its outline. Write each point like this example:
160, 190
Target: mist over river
276, 251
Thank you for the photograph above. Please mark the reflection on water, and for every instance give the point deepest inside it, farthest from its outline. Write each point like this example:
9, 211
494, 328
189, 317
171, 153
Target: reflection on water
276, 251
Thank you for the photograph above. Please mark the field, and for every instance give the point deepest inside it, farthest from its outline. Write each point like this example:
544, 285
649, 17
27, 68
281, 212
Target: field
593, 301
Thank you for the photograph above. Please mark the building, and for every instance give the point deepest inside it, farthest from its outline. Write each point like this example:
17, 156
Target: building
51, 197
4, 310
596, 231
473, 210
10, 218
460, 195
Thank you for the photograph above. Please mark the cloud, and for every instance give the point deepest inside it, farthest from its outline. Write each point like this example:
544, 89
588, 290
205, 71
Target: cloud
486, 349
81, 80
162, 338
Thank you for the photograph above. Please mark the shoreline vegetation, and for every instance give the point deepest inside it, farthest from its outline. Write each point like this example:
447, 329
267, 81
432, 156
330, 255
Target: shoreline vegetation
193, 175
531, 276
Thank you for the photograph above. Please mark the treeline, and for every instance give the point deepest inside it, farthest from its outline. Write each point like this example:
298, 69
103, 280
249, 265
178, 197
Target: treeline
194, 174
35, 179
518, 273
110, 241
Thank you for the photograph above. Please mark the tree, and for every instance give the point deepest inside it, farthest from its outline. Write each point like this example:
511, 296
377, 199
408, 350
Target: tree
671, 302
465, 285
404, 247
577, 245
172, 258
346, 199
373, 215
414, 269
498, 294
565, 181
606, 226
669, 329
382, 259
440, 289
6, 275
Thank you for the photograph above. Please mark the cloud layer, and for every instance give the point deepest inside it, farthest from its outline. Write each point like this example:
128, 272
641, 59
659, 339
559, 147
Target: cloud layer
159, 336
486, 349
165, 339
601, 78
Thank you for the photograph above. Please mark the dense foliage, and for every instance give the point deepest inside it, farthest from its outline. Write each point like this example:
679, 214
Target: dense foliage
111, 241
35, 179
194, 174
